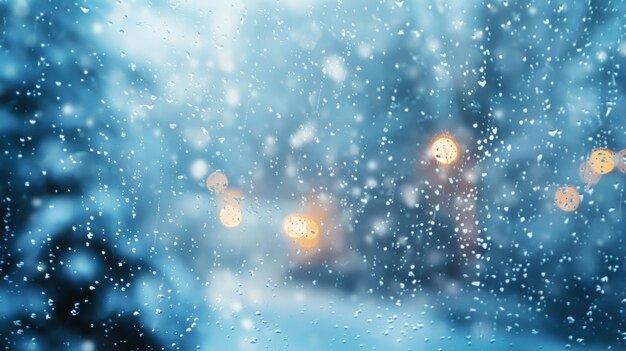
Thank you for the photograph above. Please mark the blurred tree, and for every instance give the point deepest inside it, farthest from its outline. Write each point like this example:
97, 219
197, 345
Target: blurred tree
60, 185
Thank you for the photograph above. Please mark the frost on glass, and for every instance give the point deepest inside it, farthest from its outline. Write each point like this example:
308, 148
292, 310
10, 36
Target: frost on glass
312, 175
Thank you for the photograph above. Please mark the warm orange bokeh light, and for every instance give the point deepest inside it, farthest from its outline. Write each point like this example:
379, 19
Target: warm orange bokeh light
217, 182
567, 198
303, 229
230, 216
601, 161
621, 160
308, 241
445, 149
295, 225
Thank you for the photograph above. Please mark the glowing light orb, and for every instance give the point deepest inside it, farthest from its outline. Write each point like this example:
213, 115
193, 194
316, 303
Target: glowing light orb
445, 149
217, 182
294, 226
567, 198
298, 225
601, 161
308, 242
303, 229
588, 176
621, 160
230, 216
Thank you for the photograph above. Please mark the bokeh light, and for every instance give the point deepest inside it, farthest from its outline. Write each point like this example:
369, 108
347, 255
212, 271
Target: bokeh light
308, 241
445, 149
217, 182
294, 225
230, 216
303, 229
601, 161
567, 198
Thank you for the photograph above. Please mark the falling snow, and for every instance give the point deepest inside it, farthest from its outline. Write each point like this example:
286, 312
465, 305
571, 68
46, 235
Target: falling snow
313, 175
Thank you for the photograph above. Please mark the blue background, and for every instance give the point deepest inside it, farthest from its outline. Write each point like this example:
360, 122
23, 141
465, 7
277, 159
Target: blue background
113, 113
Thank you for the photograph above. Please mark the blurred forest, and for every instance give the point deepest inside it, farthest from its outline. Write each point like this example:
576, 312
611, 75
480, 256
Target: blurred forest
114, 113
